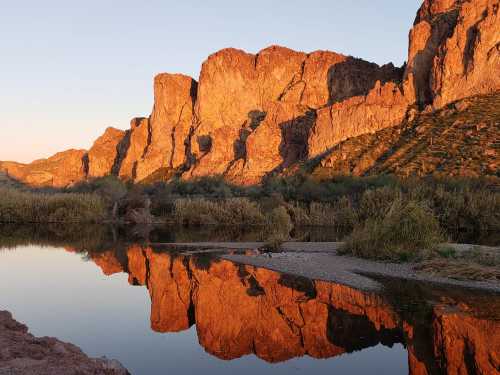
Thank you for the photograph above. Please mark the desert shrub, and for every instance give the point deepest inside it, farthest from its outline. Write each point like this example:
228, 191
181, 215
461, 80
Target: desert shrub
323, 214
403, 233
198, 211
474, 210
274, 200
299, 214
375, 203
28, 207
278, 220
201, 211
210, 186
110, 188
346, 216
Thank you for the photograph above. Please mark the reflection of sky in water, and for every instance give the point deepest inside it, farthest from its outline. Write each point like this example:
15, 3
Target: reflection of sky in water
57, 294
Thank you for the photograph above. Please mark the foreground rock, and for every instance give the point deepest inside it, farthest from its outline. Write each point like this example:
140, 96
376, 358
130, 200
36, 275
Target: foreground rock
22, 353
252, 115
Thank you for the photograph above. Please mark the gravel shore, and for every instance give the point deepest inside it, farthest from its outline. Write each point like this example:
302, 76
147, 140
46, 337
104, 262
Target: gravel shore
320, 261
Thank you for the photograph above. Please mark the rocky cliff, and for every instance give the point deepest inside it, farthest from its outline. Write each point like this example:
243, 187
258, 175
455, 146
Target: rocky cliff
251, 115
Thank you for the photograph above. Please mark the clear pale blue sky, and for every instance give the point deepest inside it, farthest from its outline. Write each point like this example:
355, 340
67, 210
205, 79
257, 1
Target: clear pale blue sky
69, 69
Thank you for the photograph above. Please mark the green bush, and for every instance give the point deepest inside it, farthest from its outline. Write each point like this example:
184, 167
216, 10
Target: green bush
201, 211
376, 203
346, 217
110, 188
279, 220
28, 207
408, 229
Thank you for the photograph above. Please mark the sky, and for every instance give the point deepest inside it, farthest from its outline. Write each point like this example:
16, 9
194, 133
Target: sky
69, 69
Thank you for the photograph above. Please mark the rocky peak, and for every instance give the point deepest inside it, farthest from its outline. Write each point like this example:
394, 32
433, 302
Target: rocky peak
105, 153
251, 115
432, 8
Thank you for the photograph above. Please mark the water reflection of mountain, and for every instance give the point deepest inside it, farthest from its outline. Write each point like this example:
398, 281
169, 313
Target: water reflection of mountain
240, 310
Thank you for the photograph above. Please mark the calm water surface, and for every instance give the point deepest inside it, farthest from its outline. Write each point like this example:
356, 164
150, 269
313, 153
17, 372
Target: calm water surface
161, 312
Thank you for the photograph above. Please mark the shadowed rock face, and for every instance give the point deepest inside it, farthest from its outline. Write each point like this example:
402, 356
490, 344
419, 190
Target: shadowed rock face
240, 310
252, 115
105, 153
454, 50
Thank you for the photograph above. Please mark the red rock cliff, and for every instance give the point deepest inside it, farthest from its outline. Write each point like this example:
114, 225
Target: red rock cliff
254, 114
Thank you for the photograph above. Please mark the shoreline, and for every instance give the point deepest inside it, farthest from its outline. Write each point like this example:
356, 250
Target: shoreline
320, 261
23, 353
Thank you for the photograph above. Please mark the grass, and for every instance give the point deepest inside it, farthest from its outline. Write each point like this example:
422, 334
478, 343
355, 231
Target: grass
202, 211
403, 233
466, 208
459, 270
27, 207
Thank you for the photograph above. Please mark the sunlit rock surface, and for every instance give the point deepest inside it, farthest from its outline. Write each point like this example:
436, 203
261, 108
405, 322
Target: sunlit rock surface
251, 115
23, 354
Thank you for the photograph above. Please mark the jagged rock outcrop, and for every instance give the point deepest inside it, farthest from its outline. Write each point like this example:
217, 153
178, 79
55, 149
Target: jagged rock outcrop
22, 353
139, 139
384, 106
454, 51
252, 115
254, 112
63, 169
104, 156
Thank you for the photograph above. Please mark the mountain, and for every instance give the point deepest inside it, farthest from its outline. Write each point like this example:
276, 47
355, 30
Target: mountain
251, 115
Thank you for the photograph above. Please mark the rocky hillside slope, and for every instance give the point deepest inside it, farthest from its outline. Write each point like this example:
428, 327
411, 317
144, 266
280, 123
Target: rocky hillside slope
462, 139
255, 114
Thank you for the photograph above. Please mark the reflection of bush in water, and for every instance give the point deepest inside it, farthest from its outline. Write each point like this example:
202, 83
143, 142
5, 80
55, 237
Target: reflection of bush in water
205, 260
254, 288
299, 283
80, 237
356, 332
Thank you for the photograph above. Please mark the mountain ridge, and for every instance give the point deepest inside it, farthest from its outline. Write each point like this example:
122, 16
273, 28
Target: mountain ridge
253, 115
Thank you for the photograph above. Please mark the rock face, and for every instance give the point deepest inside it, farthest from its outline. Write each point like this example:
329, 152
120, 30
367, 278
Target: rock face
255, 113
454, 51
252, 115
24, 354
139, 134
460, 140
240, 310
104, 156
62, 169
